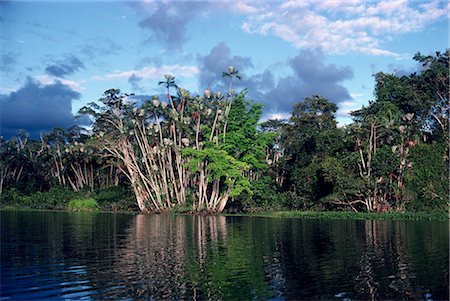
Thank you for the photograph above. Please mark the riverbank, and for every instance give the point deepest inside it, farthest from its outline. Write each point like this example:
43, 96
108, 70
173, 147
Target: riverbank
19, 208
119, 199
443, 216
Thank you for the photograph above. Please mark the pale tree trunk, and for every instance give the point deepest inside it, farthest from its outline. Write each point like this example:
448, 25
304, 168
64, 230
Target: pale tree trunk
223, 200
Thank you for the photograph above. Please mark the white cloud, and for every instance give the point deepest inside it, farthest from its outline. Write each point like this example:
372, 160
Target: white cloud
349, 103
294, 4
243, 7
387, 7
152, 72
347, 26
346, 107
47, 80
8, 90
344, 112
278, 116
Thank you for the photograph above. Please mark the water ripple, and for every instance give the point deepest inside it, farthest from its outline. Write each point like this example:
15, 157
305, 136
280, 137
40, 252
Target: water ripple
58, 256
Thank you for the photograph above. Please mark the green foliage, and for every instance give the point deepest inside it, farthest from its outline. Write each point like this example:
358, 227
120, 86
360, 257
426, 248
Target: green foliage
432, 87
385, 162
83, 205
442, 216
243, 142
428, 181
116, 198
310, 137
345, 182
220, 166
396, 90
424, 94
11, 196
394, 156
265, 196
56, 198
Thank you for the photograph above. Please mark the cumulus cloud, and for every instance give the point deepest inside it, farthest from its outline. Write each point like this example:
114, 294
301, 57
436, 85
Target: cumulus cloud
69, 65
50, 80
217, 61
310, 75
343, 26
37, 107
242, 6
347, 26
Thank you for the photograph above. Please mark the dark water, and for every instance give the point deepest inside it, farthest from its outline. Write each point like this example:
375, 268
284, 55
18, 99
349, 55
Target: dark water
55, 255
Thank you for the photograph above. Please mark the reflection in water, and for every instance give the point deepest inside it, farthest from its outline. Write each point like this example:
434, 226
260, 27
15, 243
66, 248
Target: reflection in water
385, 250
50, 255
153, 257
152, 263
274, 273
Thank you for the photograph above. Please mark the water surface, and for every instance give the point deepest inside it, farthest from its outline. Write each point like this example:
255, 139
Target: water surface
99, 256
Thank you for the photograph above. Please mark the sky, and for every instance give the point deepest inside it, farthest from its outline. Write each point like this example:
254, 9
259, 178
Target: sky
57, 56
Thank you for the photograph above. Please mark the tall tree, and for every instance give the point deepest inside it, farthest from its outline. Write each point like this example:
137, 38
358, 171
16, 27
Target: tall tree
310, 136
168, 150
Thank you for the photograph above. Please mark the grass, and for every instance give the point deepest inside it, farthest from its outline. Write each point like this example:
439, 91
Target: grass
18, 208
352, 215
83, 205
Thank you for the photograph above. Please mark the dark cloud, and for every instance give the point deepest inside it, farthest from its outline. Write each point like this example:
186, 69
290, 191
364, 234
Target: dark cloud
8, 61
60, 68
168, 21
310, 76
36, 108
309, 66
135, 81
216, 62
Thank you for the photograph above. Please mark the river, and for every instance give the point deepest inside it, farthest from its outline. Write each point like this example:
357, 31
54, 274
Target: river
101, 256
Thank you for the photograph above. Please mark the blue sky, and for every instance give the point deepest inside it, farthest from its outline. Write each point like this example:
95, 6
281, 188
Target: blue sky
57, 56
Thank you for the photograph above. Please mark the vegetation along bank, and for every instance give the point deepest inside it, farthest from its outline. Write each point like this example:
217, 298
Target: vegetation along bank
210, 153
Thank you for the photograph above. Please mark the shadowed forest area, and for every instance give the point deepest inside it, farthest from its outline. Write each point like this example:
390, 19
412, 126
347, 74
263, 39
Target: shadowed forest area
210, 153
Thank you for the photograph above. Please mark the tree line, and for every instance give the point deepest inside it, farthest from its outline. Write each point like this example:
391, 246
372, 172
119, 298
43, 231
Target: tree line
208, 153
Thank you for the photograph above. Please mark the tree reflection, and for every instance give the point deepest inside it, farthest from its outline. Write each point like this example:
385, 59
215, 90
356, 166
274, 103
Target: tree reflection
169, 257
384, 263
215, 257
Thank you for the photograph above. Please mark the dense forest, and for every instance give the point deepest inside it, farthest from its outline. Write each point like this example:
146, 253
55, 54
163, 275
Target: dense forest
210, 152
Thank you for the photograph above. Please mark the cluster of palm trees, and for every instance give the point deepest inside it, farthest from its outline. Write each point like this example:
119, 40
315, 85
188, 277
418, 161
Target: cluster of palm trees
170, 150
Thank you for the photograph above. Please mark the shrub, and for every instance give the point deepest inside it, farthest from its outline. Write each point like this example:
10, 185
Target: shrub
116, 198
265, 196
10, 196
56, 198
83, 205
427, 184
